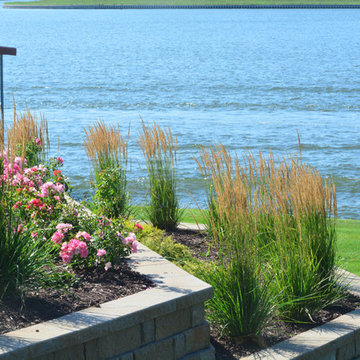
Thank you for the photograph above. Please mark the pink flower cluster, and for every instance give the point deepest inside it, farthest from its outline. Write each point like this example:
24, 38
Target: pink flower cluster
50, 188
130, 242
11, 169
72, 248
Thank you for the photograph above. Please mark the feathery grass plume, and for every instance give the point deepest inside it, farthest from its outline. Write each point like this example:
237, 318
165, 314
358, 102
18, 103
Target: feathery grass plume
107, 151
281, 214
160, 152
28, 137
244, 299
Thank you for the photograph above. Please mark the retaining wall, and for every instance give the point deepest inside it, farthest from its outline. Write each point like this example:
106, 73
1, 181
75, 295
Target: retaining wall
162, 323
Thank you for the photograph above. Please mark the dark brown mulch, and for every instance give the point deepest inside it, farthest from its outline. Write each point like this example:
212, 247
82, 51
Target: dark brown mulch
94, 288
198, 243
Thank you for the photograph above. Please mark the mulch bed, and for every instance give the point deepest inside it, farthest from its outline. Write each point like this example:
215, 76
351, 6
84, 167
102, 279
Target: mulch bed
228, 349
94, 288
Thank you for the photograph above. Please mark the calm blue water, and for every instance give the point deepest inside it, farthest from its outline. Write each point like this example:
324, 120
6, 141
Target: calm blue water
246, 78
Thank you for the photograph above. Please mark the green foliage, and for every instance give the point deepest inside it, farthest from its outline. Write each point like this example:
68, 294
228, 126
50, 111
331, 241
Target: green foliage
282, 218
25, 262
303, 267
159, 149
163, 210
107, 151
242, 304
111, 196
156, 240
105, 234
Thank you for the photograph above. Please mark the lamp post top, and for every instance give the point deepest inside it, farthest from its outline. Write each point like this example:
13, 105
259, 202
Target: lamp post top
7, 50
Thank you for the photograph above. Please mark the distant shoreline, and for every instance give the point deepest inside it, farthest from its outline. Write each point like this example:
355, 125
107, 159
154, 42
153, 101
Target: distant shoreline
220, 6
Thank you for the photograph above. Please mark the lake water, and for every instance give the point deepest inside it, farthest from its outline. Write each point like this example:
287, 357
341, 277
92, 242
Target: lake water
246, 78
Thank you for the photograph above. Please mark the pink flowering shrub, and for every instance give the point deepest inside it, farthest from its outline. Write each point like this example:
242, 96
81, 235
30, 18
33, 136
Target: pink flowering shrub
77, 239
37, 191
83, 240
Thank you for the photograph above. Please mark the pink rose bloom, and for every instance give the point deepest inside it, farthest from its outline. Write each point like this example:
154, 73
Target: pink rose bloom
134, 246
139, 226
60, 188
38, 142
57, 198
107, 266
83, 234
34, 234
17, 205
101, 252
59, 159
57, 237
64, 227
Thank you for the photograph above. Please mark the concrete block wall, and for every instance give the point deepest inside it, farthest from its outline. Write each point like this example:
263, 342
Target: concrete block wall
162, 323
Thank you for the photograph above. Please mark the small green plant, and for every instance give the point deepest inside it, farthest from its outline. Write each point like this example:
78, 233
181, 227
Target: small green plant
111, 198
156, 240
160, 151
107, 151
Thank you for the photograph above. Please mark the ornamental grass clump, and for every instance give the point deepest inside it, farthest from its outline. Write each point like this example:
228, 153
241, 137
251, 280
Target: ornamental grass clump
28, 137
160, 152
273, 224
244, 298
107, 151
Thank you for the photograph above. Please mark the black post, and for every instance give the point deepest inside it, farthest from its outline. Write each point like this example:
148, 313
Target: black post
3, 51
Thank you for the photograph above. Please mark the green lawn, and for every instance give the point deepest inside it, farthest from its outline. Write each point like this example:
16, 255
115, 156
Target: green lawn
186, 2
349, 245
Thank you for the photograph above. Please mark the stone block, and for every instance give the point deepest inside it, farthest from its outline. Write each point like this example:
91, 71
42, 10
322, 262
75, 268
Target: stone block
357, 342
197, 338
147, 332
179, 346
206, 354
173, 323
70, 353
197, 314
128, 356
346, 351
114, 344
160, 350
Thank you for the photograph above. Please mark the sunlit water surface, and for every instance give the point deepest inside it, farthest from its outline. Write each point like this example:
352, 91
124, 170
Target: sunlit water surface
246, 78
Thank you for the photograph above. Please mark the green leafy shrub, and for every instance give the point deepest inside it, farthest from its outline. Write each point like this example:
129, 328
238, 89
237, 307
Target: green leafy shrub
107, 151
111, 197
156, 240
